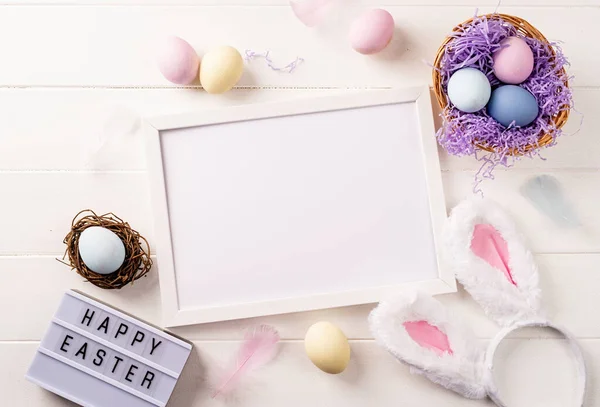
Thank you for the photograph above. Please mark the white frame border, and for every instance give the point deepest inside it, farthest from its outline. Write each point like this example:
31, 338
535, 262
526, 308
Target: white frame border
152, 127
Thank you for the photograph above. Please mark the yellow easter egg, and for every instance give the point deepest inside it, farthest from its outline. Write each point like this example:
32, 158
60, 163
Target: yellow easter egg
327, 347
220, 69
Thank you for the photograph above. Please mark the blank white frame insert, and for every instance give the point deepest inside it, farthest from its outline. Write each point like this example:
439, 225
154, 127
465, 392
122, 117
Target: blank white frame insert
293, 206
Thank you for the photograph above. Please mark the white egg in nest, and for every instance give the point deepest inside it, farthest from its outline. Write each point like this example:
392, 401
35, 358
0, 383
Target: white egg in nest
101, 250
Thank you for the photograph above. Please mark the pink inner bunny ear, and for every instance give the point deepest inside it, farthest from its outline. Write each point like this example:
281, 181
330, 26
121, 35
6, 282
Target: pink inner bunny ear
488, 244
428, 336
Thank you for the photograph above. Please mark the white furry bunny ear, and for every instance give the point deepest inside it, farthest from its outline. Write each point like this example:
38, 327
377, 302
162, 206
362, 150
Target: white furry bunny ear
416, 330
490, 260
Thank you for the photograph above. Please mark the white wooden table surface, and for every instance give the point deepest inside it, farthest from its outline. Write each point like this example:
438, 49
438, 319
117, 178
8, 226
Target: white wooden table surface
71, 70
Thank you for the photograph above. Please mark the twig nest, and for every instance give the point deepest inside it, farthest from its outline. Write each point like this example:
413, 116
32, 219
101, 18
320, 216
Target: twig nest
106, 251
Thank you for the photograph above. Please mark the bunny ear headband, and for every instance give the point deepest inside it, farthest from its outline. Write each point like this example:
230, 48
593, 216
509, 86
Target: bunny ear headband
491, 262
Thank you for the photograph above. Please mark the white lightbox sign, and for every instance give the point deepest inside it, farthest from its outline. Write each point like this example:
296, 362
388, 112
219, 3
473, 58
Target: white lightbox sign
97, 356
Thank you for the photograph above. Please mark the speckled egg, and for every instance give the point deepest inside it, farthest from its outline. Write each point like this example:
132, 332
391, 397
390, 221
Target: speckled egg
327, 347
221, 69
513, 63
177, 61
372, 31
469, 90
101, 250
512, 103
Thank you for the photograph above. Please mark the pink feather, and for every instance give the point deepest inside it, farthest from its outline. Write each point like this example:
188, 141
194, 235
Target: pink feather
259, 348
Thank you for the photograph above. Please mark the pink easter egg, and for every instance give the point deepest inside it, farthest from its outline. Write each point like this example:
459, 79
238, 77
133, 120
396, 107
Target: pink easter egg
177, 61
372, 31
513, 63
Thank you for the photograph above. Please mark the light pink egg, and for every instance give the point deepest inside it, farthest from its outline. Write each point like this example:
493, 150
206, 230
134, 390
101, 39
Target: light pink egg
177, 61
513, 63
372, 31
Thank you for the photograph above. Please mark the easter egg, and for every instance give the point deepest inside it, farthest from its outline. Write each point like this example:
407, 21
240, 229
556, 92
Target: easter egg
372, 31
469, 90
513, 63
101, 250
177, 61
221, 69
512, 103
327, 347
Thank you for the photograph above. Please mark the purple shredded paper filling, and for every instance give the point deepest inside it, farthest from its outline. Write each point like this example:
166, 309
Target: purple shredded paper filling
473, 47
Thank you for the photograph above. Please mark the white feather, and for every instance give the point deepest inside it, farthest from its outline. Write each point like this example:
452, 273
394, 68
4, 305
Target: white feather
546, 195
120, 122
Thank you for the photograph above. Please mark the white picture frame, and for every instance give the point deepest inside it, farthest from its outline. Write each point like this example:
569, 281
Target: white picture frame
177, 312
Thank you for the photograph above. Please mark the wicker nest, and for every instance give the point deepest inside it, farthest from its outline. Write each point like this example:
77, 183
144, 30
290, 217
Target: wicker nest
527, 30
137, 251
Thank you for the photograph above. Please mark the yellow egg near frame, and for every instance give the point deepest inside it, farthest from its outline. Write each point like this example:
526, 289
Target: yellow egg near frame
327, 347
220, 69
